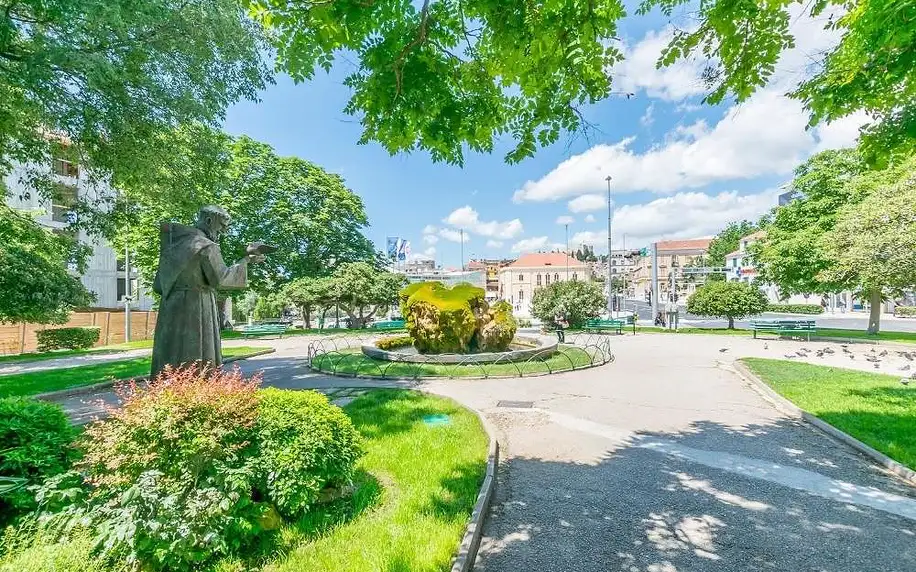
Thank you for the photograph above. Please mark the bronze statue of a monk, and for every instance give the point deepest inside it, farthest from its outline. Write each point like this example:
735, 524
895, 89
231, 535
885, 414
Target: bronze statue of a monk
191, 270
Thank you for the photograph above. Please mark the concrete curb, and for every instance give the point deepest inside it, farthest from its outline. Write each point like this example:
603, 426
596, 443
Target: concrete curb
786, 406
470, 543
86, 389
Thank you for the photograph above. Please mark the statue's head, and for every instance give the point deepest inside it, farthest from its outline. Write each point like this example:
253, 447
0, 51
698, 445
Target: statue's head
213, 220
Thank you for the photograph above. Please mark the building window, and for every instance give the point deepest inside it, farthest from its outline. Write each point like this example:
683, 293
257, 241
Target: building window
521, 277
547, 279
521, 296
556, 277
614, 262
65, 168
63, 200
734, 263
574, 276
539, 279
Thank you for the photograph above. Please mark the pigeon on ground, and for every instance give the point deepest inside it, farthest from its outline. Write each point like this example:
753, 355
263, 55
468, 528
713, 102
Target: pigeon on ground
801, 354
819, 353
846, 350
872, 359
804, 349
908, 356
766, 346
877, 365
723, 350
905, 381
852, 356
790, 356
905, 368
829, 350
871, 351
883, 353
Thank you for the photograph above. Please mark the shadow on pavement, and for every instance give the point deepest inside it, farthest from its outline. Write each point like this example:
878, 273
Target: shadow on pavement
672, 502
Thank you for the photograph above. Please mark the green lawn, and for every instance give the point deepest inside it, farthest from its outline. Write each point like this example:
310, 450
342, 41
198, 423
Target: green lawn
876, 409
901, 337
66, 378
352, 361
114, 348
233, 335
415, 489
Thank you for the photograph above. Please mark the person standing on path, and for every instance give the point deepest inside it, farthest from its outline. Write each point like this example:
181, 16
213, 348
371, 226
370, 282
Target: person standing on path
191, 270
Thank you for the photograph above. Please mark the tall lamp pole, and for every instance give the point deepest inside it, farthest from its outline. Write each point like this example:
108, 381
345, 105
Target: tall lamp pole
462, 248
127, 292
610, 298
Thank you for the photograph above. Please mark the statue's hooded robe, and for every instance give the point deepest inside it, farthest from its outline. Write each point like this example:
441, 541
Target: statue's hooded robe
191, 270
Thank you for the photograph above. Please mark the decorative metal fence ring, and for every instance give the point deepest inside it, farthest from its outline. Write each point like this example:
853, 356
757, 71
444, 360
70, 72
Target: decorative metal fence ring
366, 360
503, 359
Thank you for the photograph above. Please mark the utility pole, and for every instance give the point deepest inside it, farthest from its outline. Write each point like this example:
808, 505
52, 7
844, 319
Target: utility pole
610, 295
654, 296
126, 293
626, 268
567, 251
462, 248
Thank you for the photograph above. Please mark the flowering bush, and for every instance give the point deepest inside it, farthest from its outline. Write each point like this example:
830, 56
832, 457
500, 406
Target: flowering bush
197, 466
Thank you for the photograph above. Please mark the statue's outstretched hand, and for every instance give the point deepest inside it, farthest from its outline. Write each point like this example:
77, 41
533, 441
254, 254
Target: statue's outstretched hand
259, 249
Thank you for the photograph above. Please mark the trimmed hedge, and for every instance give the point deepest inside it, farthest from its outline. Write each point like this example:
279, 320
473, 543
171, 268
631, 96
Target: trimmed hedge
796, 308
67, 339
905, 311
393, 342
35, 443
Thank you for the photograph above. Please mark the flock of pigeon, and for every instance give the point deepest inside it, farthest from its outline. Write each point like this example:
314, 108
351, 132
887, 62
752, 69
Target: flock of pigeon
872, 356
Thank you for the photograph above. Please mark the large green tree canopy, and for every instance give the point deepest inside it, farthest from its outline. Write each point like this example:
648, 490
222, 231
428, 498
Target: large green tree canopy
444, 74
309, 214
872, 69
107, 76
35, 283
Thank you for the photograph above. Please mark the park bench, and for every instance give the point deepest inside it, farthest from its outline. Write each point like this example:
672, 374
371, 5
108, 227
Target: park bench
790, 328
259, 330
617, 325
387, 325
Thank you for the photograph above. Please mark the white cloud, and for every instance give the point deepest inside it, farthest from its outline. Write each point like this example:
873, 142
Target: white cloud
565, 219
453, 235
430, 229
585, 203
764, 136
530, 244
468, 219
648, 118
590, 218
494, 243
683, 215
430, 238
428, 254
431, 251
638, 72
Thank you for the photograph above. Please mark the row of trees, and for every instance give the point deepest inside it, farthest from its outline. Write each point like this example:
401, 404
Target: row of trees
359, 289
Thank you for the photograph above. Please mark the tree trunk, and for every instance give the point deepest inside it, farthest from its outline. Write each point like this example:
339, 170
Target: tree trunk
874, 315
731, 323
307, 315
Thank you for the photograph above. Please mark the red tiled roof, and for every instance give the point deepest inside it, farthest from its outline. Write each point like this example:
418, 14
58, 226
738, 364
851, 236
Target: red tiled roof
476, 265
537, 259
690, 244
755, 235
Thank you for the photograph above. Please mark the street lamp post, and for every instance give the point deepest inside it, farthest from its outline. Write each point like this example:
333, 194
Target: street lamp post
610, 299
462, 248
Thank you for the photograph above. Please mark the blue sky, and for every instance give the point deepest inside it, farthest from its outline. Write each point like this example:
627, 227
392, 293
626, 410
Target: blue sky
680, 169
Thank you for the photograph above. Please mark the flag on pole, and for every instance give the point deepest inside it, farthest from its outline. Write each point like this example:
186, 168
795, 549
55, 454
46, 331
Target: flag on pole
403, 249
393, 244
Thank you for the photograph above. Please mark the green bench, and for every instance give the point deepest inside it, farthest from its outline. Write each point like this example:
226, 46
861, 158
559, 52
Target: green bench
259, 330
790, 328
617, 325
387, 325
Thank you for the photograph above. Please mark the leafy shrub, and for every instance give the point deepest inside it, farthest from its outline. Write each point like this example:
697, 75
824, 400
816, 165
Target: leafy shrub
498, 328
905, 311
35, 443
440, 319
67, 339
27, 550
523, 322
727, 300
577, 300
167, 480
307, 444
198, 466
796, 308
393, 342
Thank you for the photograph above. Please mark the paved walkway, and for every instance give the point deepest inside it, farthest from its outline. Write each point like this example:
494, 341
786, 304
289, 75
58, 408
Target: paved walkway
666, 461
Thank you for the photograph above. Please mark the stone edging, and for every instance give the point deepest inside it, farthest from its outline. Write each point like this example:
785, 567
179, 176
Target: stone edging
84, 389
470, 543
786, 406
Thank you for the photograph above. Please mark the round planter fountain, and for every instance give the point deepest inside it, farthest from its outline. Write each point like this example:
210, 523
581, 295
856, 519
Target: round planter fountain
521, 349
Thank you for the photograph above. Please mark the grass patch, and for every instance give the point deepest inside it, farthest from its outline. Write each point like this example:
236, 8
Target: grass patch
352, 362
422, 485
874, 408
417, 485
854, 335
35, 382
42, 356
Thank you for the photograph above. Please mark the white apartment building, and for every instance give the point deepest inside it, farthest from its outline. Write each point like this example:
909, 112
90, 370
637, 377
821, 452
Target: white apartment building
741, 269
105, 275
519, 280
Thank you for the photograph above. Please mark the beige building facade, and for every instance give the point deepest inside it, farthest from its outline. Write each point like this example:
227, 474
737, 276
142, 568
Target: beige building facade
672, 256
518, 281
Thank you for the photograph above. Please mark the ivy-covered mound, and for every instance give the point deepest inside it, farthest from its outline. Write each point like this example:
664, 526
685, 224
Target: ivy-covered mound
455, 320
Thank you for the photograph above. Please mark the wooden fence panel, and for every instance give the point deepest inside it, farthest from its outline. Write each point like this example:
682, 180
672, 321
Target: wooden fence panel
20, 338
